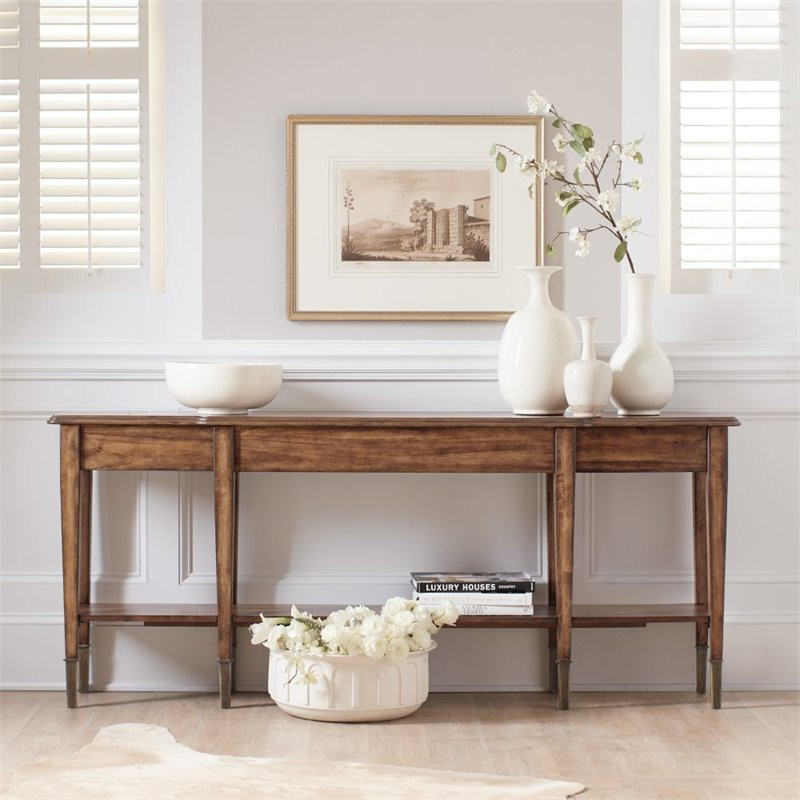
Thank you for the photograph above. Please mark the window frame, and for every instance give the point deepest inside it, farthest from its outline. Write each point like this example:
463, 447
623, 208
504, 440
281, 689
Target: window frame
719, 64
30, 63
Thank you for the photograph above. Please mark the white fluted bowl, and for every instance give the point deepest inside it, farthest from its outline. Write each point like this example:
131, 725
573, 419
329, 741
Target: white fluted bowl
351, 688
217, 388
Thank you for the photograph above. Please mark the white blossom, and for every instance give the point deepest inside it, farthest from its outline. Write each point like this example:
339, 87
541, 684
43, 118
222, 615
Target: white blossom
560, 142
574, 234
636, 184
608, 200
626, 226
583, 247
626, 150
537, 104
591, 156
551, 168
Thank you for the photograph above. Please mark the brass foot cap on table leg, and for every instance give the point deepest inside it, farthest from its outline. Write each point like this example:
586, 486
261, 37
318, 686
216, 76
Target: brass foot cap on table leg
563, 684
71, 665
716, 682
225, 673
701, 653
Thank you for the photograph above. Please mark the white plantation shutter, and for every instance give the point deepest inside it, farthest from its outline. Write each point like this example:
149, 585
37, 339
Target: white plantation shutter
9, 174
9, 23
90, 173
730, 181
730, 24
89, 23
730, 132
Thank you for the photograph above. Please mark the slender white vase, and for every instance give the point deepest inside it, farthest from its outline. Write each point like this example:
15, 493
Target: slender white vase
587, 381
538, 342
643, 377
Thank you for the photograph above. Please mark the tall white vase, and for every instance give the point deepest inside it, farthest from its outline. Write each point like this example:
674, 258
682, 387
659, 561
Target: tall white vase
587, 382
643, 377
538, 342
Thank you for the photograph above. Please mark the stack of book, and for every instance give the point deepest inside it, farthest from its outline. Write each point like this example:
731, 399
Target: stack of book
477, 593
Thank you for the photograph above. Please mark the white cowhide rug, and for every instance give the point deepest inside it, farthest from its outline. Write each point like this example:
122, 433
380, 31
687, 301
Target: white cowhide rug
144, 762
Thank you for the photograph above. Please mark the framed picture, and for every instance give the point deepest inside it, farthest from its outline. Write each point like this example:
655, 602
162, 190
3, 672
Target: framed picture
406, 218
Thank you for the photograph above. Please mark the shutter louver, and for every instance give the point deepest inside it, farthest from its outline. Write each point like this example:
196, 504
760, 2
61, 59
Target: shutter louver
9, 23
730, 174
89, 23
730, 24
90, 202
9, 174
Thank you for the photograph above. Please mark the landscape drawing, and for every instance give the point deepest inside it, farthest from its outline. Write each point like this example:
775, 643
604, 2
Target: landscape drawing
415, 214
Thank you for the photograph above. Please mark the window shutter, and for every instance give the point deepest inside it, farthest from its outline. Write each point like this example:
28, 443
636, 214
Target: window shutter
9, 23
89, 23
730, 174
90, 194
9, 174
730, 24
730, 134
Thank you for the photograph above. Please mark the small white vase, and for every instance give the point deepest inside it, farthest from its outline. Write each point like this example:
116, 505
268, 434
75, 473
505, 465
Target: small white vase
587, 381
538, 342
643, 379
350, 688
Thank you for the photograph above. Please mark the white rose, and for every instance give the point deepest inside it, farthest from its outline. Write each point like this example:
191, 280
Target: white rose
375, 646
394, 605
397, 649
446, 614
422, 637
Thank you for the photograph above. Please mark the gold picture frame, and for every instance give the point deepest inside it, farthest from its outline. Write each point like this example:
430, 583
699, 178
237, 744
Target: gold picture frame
406, 217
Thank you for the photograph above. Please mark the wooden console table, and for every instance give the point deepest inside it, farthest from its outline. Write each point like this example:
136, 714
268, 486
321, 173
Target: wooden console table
556, 446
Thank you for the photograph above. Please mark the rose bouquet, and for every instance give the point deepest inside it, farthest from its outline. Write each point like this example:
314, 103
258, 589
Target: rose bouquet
401, 626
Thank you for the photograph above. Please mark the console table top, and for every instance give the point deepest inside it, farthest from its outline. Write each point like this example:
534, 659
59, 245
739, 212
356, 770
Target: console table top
423, 420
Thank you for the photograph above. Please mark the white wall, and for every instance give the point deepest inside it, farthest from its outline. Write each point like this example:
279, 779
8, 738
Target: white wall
339, 538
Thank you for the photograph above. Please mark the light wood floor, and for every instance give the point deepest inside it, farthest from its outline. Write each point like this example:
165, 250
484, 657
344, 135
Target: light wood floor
623, 746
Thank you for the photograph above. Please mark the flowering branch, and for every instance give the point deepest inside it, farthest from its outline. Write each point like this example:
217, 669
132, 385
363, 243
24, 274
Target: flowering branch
580, 139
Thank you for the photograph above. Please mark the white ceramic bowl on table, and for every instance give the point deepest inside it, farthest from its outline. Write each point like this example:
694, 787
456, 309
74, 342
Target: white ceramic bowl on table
217, 388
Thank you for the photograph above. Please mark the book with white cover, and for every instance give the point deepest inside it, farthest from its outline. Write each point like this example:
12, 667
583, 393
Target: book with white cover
479, 610
475, 598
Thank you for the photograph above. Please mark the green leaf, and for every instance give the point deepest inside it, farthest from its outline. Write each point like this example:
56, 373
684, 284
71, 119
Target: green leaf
577, 147
619, 253
564, 195
588, 142
637, 157
500, 162
493, 151
557, 122
530, 191
569, 206
576, 176
583, 131
549, 250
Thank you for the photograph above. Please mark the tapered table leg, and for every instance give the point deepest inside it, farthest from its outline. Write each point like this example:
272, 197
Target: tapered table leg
224, 524
717, 520
552, 673
84, 575
70, 526
699, 493
564, 503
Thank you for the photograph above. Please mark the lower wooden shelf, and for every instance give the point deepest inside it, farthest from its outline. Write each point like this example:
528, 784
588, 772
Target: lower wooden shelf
584, 616
150, 614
